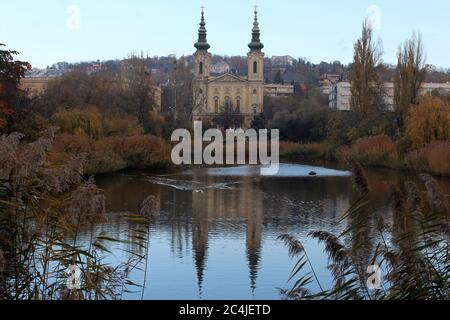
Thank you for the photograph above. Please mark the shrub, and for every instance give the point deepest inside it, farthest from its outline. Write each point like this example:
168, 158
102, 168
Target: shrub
75, 120
142, 151
114, 153
377, 150
428, 122
122, 126
297, 151
433, 158
111, 144
104, 159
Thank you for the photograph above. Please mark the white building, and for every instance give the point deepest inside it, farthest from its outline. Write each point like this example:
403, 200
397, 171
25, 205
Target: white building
282, 61
340, 94
326, 81
278, 90
220, 68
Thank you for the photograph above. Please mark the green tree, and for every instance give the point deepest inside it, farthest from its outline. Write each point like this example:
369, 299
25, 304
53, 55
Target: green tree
278, 78
302, 119
259, 122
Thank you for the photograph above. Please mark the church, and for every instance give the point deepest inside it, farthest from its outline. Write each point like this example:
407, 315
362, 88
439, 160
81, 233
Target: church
245, 95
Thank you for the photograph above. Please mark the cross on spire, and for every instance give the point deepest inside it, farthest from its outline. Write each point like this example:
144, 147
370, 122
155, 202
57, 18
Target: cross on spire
202, 44
256, 44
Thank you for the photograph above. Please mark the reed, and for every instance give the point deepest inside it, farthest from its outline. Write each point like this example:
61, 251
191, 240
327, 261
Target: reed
43, 207
378, 151
416, 259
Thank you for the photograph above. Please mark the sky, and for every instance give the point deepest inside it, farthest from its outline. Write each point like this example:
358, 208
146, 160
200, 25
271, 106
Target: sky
49, 31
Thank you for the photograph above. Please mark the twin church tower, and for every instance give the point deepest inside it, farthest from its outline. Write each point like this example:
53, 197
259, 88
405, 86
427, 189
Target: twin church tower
212, 95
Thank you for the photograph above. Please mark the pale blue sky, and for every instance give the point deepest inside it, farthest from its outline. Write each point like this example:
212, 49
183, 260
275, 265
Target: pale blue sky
320, 30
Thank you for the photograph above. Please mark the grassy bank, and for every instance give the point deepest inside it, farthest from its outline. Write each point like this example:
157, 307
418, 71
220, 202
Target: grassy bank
376, 151
113, 153
291, 151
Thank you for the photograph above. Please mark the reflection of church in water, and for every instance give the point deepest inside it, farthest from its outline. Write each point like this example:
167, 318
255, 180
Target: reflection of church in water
205, 208
213, 205
244, 94
199, 214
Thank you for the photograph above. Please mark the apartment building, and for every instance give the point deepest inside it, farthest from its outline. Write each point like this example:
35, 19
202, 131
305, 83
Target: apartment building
340, 94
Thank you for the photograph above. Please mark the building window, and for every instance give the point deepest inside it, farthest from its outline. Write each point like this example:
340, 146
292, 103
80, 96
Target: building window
227, 102
216, 104
238, 104
255, 67
200, 68
255, 92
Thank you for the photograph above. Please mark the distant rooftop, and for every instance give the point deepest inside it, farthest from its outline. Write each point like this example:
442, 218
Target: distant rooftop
46, 73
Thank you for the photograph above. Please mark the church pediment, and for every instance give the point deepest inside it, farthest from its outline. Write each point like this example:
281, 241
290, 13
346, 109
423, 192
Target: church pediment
228, 78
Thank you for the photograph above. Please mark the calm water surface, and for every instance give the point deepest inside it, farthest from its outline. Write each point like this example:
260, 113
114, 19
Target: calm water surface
216, 234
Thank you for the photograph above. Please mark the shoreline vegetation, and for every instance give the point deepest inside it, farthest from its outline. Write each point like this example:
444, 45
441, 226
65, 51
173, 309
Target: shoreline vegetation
376, 152
152, 153
148, 152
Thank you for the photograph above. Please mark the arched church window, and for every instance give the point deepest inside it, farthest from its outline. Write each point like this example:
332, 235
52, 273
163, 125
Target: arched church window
255, 67
227, 102
216, 104
255, 92
200, 68
238, 104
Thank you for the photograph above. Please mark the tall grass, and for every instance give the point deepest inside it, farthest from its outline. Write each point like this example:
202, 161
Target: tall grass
40, 206
413, 253
113, 153
298, 152
371, 151
433, 158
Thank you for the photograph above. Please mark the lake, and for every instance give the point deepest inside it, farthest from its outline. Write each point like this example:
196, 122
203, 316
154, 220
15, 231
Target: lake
216, 234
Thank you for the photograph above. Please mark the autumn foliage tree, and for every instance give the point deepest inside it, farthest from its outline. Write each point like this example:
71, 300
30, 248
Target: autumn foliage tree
428, 121
11, 71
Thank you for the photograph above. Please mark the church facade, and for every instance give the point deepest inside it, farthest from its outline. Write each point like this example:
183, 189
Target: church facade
243, 95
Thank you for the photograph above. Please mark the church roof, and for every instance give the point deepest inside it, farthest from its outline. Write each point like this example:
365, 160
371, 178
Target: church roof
228, 77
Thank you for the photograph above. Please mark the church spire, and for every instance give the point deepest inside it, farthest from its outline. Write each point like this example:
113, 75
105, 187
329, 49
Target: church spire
202, 44
256, 44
